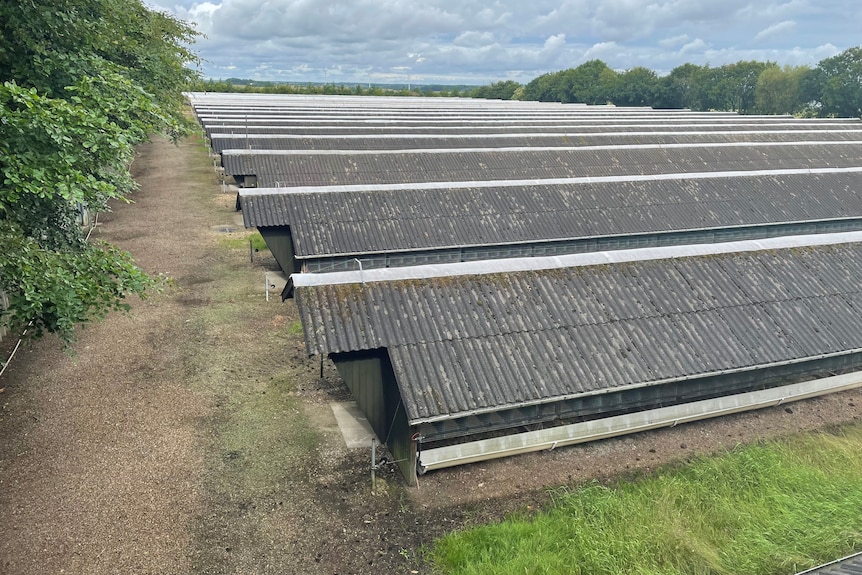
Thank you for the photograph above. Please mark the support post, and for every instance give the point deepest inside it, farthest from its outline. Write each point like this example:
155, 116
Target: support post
373, 466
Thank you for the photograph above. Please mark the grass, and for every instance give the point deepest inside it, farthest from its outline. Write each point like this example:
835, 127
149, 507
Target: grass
241, 239
767, 509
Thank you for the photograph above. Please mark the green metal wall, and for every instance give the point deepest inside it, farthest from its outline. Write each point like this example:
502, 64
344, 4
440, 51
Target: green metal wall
280, 243
371, 380
641, 398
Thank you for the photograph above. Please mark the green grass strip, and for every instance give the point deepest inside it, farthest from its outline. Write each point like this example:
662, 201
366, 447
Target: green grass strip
767, 509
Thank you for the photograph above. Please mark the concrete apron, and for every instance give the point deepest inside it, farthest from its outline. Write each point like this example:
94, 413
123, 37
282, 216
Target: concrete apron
355, 429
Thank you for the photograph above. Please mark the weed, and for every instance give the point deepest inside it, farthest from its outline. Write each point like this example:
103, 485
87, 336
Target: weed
240, 240
295, 328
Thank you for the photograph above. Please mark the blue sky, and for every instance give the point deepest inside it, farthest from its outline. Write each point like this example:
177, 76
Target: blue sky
478, 42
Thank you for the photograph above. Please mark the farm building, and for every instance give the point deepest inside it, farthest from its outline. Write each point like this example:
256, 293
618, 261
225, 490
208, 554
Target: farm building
237, 133
504, 139
291, 168
491, 278
348, 227
437, 354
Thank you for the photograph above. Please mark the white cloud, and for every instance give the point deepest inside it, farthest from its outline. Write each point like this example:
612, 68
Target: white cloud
785, 27
674, 41
601, 51
474, 41
554, 44
696, 46
783, 10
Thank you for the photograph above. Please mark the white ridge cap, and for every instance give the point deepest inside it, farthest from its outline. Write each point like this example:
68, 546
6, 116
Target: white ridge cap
510, 265
514, 135
245, 192
521, 149
565, 124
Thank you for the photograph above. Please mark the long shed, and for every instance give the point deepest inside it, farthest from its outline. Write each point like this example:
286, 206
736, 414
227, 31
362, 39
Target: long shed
442, 355
350, 227
291, 168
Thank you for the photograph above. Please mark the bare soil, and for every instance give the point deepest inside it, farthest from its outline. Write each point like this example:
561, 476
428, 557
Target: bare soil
194, 435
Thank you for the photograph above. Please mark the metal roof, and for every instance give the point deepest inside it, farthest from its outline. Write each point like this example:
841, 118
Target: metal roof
466, 344
240, 130
222, 142
431, 122
288, 168
487, 114
585, 259
371, 221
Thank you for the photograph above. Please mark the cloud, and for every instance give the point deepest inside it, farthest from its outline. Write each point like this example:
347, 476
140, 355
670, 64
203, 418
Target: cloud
602, 51
477, 41
775, 30
554, 44
696, 46
674, 41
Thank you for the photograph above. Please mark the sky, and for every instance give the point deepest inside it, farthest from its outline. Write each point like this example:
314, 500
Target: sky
478, 42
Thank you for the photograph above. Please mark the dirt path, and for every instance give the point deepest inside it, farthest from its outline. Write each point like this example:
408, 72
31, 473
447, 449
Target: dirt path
102, 459
193, 435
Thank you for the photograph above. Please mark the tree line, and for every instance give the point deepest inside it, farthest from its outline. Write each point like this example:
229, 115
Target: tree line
242, 85
832, 88
81, 83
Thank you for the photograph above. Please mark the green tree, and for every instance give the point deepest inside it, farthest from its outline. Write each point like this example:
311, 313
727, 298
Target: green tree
679, 89
543, 88
635, 87
502, 90
778, 90
83, 81
730, 87
592, 82
839, 84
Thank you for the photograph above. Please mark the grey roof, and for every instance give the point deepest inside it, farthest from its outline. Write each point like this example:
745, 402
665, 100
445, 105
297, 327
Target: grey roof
222, 142
287, 168
467, 344
480, 122
355, 222
240, 129
457, 116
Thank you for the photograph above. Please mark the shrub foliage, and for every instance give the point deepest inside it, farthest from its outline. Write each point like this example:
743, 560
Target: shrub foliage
81, 83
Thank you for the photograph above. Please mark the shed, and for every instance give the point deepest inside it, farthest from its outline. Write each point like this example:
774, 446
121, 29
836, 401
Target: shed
439, 357
341, 228
292, 168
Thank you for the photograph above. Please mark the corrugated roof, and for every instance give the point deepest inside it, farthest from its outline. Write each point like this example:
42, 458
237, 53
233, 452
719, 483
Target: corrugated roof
370, 222
479, 343
332, 168
222, 142
239, 129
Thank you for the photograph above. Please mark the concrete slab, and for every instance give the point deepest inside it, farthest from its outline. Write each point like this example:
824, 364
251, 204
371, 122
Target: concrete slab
277, 281
355, 429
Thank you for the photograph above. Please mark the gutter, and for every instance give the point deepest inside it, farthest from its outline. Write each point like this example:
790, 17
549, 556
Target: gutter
547, 439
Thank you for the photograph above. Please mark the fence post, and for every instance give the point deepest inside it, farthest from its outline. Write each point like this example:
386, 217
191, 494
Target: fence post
4, 305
